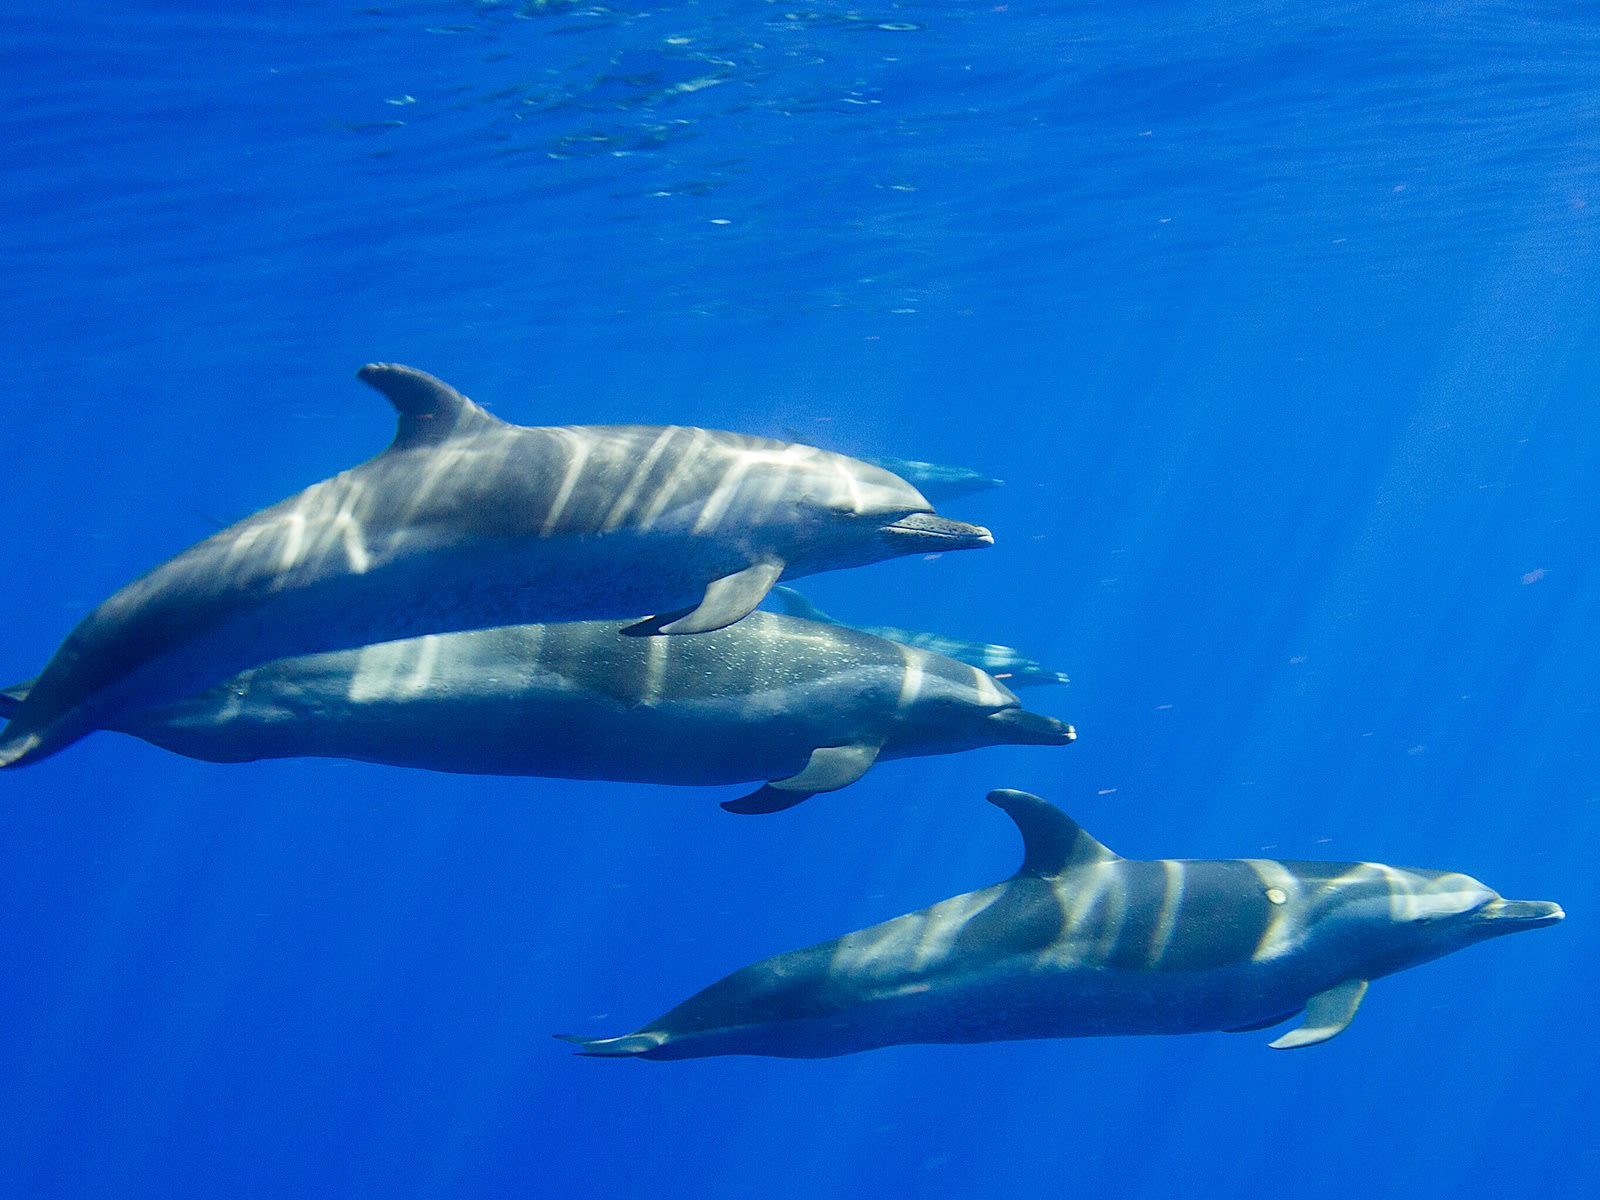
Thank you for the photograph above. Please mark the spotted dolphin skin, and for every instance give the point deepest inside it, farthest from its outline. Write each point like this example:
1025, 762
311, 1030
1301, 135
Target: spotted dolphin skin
1012, 666
1081, 943
810, 707
468, 522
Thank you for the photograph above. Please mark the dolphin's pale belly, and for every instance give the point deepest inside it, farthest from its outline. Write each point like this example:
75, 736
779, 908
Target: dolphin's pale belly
833, 1015
502, 582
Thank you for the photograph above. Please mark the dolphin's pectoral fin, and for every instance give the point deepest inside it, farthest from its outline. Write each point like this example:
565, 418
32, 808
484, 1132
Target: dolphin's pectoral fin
830, 768
628, 1046
727, 600
11, 698
827, 770
1327, 1014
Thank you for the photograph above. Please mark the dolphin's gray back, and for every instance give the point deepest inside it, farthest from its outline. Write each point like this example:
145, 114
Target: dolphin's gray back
598, 479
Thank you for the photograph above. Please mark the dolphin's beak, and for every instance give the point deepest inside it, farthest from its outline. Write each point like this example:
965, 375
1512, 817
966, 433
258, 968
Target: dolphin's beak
935, 534
1520, 914
1024, 728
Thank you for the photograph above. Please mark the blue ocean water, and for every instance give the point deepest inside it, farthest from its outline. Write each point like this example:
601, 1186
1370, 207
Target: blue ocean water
1281, 326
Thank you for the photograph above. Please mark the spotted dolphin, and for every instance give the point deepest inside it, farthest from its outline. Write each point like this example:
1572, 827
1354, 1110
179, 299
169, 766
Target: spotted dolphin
809, 707
1012, 666
466, 522
1080, 943
937, 481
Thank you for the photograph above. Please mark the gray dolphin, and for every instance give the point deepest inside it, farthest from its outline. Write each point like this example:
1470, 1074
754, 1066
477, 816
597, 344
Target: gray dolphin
467, 522
808, 706
1012, 666
1080, 943
937, 481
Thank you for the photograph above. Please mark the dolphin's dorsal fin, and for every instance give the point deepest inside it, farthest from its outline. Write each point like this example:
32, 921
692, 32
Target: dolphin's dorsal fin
1051, 840
796, 604
1327, 1014
431, 411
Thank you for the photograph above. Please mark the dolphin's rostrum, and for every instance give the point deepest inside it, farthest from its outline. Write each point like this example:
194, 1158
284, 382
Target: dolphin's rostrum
1081, 942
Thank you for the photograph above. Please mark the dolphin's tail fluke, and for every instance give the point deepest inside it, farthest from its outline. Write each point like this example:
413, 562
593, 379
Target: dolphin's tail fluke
25, 740
11, 698
632, 1045
20, 748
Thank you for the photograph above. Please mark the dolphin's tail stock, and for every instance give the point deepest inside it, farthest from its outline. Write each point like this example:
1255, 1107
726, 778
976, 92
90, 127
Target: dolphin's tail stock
630, 1045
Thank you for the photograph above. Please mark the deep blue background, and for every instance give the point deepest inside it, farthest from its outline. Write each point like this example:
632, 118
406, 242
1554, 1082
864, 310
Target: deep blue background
1284, 330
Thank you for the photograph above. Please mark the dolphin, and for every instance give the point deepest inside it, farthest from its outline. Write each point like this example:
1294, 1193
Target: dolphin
810, 707
1014, 667
937, 481
467, 522
1081, 943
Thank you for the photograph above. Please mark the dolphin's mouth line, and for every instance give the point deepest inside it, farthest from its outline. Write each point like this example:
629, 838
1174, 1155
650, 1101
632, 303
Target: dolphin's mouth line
930, 527
1525, 914
1029, 728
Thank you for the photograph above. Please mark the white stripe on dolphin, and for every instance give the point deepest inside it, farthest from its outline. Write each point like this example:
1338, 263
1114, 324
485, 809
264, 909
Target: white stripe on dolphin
769, 698
468, 522
1081, 942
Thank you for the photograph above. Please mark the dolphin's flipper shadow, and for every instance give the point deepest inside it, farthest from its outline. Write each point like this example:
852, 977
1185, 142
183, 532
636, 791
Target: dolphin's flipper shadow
763, 800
